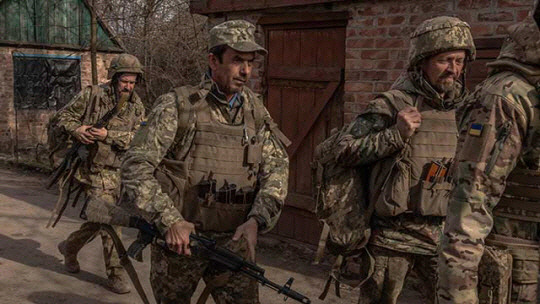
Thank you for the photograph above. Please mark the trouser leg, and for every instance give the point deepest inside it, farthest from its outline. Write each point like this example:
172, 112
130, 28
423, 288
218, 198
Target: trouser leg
425, 267
386, 283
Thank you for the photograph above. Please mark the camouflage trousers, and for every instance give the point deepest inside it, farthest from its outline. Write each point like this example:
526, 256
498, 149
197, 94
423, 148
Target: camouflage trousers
174, 278
525, 261
391, 270
89, 230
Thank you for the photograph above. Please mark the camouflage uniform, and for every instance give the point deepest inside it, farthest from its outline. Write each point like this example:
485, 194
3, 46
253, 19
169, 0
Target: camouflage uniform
170, 136
496, 174
100, 178
408, 240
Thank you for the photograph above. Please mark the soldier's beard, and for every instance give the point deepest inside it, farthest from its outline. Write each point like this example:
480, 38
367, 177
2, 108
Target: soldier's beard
445, 84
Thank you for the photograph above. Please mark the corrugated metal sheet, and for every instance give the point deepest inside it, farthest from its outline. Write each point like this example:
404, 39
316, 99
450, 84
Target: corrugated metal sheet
50, 22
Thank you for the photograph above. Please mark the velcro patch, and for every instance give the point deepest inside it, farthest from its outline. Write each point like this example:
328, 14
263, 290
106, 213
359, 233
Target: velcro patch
476, 129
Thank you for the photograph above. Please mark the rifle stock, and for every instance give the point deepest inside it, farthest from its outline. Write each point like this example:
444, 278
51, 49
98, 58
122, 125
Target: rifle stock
208, 249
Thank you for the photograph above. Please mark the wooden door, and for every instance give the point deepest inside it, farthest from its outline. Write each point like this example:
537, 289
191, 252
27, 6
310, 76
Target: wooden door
304, 82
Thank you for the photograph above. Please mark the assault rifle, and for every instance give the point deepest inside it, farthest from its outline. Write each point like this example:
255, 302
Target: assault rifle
208, 249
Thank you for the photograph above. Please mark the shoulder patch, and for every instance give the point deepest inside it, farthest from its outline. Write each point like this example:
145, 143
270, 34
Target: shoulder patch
476, 129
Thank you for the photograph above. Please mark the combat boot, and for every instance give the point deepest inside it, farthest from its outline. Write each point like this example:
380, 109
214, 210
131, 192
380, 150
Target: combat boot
118, 283
70, 260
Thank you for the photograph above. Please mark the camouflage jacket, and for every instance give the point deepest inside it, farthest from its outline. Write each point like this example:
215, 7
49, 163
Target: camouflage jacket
120, 130
141, 189
507, 100
375, 137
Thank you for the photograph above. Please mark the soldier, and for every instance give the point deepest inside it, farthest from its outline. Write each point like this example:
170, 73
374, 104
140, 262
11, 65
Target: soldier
100, 177
408, 135
497, 175
210, 160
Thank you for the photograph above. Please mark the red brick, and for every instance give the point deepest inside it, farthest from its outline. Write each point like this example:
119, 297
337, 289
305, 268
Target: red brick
390, 43
362, 22
521, 15
372, 32
432, 8
360, 43
468, 4
358, 87
417, 19
393, 20
373, 75
514, 3
502, 29
359, 64
393, 75
390, 64
353, 54
398, 9
374, 54
372, 10
481, 30
495, 17
401, 32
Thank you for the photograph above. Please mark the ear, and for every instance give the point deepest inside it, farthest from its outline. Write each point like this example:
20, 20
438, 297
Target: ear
213, 61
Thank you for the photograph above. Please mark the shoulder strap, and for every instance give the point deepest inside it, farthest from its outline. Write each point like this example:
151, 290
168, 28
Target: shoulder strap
397, 99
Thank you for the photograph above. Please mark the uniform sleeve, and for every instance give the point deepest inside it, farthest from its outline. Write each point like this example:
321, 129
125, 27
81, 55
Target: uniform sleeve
71, 115
489, 144
373, 136
150, 144
273, 181
122, 139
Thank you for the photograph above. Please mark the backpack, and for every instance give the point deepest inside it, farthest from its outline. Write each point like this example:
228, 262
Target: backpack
342, 204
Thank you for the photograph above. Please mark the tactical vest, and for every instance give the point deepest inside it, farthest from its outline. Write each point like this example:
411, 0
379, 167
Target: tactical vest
214, 183
105, 155
400, 180
521, 197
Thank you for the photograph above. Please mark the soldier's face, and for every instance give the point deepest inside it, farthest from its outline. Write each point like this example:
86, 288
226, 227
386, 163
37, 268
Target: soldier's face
126, 82
233, 72
444, 69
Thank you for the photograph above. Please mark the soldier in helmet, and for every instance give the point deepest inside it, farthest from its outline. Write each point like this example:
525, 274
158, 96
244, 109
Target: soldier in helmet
210, 160
100, 177
495, 203
408, 136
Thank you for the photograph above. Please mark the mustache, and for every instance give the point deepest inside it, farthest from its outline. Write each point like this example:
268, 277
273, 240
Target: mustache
446, 74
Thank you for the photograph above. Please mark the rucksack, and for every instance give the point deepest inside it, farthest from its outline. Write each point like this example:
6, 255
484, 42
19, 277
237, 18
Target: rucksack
342, 204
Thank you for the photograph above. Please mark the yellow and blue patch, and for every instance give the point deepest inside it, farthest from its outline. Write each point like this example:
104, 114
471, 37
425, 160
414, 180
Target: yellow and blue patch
476, 129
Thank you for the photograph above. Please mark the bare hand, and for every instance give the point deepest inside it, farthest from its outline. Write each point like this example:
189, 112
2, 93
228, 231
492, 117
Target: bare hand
408, 120
83, 135
177, 237
249, 231
99, 134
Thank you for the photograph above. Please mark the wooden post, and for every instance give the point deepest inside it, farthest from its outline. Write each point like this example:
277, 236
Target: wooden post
93, 44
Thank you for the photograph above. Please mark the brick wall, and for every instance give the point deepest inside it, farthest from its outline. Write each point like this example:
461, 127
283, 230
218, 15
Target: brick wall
378, 36
25, 130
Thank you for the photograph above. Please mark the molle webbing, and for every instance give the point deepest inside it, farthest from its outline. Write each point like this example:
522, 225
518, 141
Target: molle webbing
522, 192
436, 138
221, 149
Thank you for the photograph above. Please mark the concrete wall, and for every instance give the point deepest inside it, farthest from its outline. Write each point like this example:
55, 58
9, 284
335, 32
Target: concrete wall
24, 130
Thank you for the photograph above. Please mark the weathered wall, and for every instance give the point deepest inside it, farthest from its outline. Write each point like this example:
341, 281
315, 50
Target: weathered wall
24, 130
378, 36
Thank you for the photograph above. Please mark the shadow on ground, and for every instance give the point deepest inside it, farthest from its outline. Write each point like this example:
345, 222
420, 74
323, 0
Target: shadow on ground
26, 251
54, 297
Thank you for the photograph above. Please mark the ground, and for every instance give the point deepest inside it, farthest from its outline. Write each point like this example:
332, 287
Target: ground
32, 271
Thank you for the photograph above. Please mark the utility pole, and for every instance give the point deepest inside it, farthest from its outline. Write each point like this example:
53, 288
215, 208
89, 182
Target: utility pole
93, 44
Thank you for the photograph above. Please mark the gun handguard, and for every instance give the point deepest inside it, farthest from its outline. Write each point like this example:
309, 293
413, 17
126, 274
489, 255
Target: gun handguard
207, 248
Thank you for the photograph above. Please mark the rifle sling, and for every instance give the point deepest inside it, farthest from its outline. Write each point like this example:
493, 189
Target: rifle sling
126, 262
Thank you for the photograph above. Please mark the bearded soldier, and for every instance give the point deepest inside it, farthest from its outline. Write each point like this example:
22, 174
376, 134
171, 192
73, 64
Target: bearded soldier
408, 135
210, 160
497, 176
99, 177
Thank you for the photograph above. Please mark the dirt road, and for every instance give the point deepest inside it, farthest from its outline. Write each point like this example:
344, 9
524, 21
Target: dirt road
31, 268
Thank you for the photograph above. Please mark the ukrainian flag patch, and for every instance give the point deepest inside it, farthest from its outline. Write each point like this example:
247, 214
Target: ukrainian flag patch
476, 129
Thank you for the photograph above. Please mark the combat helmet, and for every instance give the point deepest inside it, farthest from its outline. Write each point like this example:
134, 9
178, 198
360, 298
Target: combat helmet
124, 63
438, 35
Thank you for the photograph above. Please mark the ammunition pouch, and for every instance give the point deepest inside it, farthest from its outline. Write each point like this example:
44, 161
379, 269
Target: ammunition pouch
391, 180
433, 199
